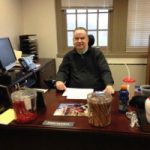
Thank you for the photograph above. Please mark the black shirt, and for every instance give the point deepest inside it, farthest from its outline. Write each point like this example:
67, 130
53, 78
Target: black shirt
88, 70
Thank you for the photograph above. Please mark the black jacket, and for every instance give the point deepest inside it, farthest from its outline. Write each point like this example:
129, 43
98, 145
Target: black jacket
89, 70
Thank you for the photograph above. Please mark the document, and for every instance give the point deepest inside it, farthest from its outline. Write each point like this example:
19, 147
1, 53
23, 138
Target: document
77, 93
7, 117
18, 55
41, 90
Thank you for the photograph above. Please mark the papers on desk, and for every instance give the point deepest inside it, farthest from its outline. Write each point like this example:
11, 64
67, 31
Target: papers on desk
77, 93
7, 117
18, 55
40, 90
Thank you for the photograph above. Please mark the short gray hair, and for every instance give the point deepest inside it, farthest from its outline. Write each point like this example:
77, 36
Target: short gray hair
80, 28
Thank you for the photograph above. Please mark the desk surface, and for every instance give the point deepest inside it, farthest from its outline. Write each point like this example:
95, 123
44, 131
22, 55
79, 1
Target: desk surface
119, 124
82, 136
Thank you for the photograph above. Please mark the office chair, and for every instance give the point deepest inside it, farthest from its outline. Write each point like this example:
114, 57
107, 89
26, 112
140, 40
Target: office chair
50, 83
91, 40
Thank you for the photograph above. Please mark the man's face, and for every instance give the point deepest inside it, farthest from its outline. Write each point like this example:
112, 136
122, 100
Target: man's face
80, 40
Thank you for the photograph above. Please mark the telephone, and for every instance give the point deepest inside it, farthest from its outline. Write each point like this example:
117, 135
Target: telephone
27, 63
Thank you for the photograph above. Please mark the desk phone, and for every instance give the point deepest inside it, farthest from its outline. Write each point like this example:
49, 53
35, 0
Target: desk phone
27, 63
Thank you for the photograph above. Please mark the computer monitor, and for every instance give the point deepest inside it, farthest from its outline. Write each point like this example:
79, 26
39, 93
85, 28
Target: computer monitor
7, 55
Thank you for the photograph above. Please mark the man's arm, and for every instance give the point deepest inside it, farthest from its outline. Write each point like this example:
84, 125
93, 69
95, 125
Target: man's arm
62, 74
105, 72
109, 89
60, 85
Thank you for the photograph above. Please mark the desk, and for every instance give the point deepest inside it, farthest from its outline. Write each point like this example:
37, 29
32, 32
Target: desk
31, 78
118, 135
21, 78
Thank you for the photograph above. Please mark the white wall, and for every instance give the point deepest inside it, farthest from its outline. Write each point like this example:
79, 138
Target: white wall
119, 72
11, 20
39, 18
135, 68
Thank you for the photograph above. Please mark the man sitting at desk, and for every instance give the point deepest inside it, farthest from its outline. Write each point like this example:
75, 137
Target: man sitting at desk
84, 66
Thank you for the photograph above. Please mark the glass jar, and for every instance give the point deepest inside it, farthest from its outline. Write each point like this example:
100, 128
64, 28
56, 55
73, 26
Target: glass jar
24, 105
99, 109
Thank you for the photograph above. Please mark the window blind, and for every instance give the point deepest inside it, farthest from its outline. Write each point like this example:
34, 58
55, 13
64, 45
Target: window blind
86, 3
138, 25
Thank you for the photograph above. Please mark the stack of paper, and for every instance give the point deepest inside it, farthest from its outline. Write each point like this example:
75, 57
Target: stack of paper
77, 93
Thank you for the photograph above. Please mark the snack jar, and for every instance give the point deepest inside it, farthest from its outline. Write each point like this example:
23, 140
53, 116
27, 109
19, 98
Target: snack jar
99, 109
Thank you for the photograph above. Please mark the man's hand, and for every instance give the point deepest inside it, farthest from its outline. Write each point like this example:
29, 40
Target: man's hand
109, 89
60, 85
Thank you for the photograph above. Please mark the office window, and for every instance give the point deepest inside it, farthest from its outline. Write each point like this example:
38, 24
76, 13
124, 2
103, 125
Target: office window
94, 20
138, 29
107, 20
93, 15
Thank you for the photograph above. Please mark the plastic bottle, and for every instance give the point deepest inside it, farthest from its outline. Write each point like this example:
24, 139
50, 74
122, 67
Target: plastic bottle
130, 82
123, 99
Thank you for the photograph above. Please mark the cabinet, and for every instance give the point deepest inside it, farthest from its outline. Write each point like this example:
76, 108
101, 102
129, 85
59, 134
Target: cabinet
29, 44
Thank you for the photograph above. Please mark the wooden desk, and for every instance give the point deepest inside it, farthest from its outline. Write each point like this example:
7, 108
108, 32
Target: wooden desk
21, 78
118, 135
32, 78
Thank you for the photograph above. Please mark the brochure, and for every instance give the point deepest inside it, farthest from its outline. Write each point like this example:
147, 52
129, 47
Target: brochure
71, 109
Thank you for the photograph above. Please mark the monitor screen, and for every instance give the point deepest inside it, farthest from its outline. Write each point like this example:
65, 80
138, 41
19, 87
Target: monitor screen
7, 55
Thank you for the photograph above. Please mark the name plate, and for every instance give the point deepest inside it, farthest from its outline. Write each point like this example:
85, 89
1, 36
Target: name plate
58, 124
